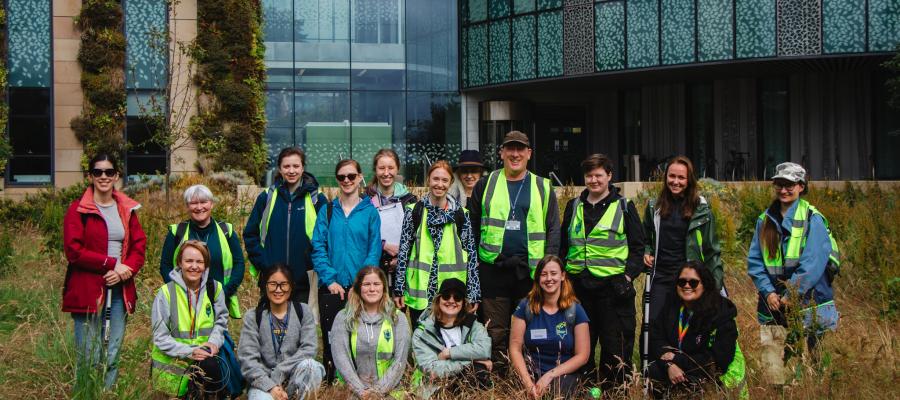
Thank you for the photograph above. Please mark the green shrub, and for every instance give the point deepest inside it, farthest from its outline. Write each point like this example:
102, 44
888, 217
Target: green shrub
6, 251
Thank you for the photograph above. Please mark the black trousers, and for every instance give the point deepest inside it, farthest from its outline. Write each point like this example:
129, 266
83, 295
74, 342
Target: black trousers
414, 318
501, 290
206, 381
612, 326
329, 306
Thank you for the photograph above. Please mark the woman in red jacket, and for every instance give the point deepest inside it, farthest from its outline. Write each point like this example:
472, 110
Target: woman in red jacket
104, 245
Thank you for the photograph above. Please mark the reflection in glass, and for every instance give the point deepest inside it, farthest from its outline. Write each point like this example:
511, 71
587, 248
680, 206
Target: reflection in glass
377, 54
773, 124
431, 45
323, 129
433, 131
377, 122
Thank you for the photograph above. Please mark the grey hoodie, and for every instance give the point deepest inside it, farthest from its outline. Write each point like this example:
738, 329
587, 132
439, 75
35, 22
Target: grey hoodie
261, 367
162, 336
362, 374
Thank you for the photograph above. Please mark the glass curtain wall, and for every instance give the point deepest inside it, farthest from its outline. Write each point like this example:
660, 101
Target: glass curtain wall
348, 77
774, 124
29, 92
146, 78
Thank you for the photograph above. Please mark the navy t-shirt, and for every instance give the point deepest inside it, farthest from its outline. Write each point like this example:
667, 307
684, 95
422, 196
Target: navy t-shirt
515, 243
548, 339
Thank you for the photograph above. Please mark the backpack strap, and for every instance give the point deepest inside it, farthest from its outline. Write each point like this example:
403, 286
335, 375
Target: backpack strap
329, 210
417, 212
296, 304
225, 227
180, 231
211, 292
459, 218
570, 316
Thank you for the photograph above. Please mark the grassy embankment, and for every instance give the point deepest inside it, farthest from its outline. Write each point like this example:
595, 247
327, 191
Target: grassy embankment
858, 361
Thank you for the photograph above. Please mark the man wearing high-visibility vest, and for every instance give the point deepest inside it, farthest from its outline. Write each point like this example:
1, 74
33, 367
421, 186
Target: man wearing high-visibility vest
515, 218
603, 244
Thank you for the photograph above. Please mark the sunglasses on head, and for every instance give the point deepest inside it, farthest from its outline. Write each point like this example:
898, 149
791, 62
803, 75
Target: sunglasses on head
341, 178
452, 296
97, 172
693, 283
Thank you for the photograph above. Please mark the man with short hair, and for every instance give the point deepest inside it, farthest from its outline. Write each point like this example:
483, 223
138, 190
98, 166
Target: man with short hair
515, 218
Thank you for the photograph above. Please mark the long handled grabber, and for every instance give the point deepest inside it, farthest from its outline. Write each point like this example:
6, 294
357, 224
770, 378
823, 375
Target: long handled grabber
107, 315
645, 326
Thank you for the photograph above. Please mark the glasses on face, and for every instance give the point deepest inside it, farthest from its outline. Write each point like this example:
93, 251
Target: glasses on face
278, 286
454, 297
789, 186
97, 172
341, 177
684, 283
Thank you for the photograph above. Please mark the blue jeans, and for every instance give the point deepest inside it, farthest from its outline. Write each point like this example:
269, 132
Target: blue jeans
89, 340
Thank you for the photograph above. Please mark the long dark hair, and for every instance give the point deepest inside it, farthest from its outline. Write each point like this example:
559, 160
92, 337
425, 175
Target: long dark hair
103, 157
264, 279
707, 306
666, 199
770, 234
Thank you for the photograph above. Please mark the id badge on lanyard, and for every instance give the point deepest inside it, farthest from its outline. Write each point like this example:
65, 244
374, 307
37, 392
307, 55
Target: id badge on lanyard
513, 225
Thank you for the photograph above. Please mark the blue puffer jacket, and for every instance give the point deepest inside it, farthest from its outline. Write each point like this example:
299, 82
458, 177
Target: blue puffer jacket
286, 240
346, 244
809, 278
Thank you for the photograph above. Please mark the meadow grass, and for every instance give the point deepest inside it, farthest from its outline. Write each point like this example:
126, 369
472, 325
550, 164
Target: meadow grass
858, 361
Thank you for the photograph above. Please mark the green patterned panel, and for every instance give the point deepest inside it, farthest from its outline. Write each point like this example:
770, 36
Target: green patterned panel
714, 30
643, 33
478, 10
478, 55
609, 21
464, 57
677, 31
28, 39
550, 44
523, 66
545, 4
884, 24
755, 28
498, 8
147, 43
843, 26
499, 51
523, 6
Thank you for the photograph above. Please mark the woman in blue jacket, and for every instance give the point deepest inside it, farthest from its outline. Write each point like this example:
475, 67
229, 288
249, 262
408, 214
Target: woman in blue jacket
346, 239
791, 260
280, 226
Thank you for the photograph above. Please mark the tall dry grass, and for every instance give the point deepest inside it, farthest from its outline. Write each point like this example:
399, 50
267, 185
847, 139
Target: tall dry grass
857, 361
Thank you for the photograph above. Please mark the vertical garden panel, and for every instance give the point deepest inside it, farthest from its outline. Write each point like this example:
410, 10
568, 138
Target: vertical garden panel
643, 33
523, 57
843, 27
677, 31
884, 25
499, 51
755, 28
714, 30
610, 31
478, 57
799, 27
550, 46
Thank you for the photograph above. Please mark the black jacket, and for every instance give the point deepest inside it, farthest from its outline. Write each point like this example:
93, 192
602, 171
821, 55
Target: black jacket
709, 343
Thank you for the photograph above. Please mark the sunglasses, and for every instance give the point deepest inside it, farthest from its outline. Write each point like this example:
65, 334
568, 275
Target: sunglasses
452, 296
278, 286
693, 283
97, 172
341, 178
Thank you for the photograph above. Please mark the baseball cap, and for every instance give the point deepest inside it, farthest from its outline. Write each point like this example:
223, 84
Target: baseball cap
790, 171
516, 137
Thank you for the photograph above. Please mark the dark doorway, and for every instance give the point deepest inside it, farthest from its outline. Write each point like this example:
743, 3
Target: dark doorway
560, 142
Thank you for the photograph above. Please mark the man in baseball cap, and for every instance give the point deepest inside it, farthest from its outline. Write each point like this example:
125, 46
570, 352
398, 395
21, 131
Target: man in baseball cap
515, 219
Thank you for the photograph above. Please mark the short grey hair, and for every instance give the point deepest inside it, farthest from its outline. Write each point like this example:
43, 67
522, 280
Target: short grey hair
198, 192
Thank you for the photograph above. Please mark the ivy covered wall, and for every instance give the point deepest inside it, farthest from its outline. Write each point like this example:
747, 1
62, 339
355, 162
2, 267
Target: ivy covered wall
5, 149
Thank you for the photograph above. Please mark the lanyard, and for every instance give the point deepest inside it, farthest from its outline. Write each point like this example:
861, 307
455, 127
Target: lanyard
512, 215
277, 340
192, 311
683, 324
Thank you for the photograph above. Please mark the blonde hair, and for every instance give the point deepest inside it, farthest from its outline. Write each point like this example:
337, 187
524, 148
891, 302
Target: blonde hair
355, 306
195, 244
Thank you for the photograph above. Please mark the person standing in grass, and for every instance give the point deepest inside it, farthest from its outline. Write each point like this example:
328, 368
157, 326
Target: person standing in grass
602, 244
390, 198
280, 226
792, 260
370, 338
347, 237
551, 329
278, 343
226, 257
437, 244
189, 320
105, 246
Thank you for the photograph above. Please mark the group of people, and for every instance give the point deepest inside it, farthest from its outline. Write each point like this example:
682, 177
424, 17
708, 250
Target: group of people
477, 278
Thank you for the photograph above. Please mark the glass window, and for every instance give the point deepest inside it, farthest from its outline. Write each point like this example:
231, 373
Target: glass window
886, 129
29, 73
630, 130
773, 125
700, 132
321, 44
322, 128
377, 53
433, 131
378, 119
431, 45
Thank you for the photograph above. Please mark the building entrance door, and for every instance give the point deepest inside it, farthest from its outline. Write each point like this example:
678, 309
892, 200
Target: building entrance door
560, 142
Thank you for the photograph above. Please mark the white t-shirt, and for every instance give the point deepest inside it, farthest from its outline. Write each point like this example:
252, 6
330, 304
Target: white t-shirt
452, 336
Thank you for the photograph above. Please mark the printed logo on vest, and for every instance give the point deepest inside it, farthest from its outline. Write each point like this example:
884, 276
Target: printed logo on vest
208, 310
387, 335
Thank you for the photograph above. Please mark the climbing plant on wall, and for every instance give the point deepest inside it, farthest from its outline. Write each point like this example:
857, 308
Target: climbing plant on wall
231, 76
5, 149
102, 59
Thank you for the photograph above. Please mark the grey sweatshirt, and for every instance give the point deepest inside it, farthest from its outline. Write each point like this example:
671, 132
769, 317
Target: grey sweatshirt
159, 318
261, 367
363, 374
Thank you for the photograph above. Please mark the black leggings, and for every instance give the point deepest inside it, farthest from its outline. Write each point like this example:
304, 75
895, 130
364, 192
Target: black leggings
206, 381
329, 306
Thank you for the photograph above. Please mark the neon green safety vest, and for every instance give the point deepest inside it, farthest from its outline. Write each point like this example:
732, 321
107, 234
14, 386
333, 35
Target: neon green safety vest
604, 251
309, 219
452, 262
734, 377
234, 306
781, 264
169, 374
384, 352
495, 213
